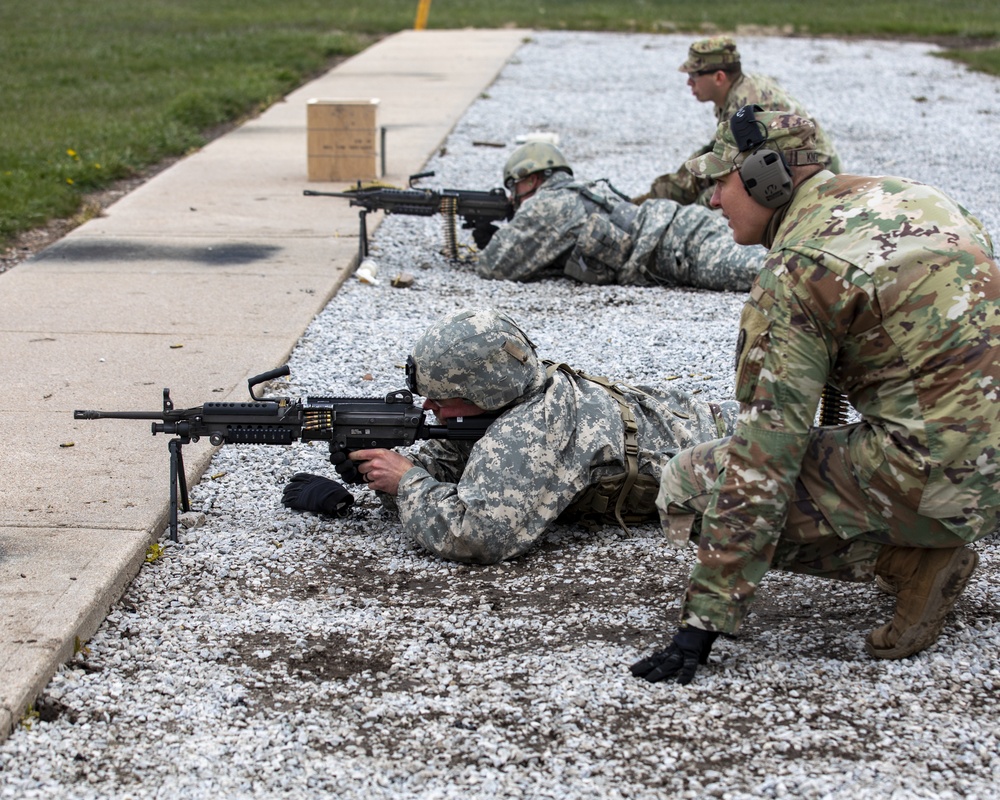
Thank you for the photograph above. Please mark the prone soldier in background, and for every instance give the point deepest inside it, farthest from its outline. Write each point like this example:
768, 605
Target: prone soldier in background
591, 232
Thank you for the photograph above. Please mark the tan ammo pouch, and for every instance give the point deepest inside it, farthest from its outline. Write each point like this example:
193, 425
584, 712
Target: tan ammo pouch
625, 497
597, 505
602, 248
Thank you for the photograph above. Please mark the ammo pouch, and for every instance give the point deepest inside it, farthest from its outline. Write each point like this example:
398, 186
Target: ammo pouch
624, 497
603, 246
596, 506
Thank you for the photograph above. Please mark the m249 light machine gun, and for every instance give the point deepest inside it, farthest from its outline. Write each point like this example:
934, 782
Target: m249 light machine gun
476, 208
347, 423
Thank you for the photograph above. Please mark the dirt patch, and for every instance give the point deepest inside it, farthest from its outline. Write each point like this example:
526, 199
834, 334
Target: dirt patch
314, 658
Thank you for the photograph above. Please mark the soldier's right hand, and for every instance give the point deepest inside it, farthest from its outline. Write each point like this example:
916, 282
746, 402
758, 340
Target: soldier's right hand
689, 648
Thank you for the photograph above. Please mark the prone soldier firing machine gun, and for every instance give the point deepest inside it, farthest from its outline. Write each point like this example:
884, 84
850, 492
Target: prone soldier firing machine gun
476, 208
347, 423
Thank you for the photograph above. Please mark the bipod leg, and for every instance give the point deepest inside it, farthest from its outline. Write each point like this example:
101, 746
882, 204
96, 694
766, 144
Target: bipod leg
178, 485
363, 236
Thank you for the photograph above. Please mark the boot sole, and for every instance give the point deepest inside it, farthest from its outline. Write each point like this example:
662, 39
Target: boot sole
949, 585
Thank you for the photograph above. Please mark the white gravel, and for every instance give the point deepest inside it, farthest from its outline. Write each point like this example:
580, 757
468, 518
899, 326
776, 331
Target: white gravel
278, 654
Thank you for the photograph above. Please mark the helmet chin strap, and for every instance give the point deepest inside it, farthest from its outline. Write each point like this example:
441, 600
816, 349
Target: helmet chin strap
520, 198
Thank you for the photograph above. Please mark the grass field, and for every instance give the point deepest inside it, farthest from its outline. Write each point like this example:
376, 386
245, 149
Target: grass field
100, 90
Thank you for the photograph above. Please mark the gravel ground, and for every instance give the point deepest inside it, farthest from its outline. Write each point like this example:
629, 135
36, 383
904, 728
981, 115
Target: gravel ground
279, 654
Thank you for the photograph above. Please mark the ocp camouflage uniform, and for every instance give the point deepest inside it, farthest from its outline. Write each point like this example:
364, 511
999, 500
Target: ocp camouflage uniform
747, 89
560, 440
886, 289
588, 231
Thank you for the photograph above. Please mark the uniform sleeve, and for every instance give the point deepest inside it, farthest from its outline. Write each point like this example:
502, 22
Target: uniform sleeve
520, 477
443, 459
535, 242
784, 358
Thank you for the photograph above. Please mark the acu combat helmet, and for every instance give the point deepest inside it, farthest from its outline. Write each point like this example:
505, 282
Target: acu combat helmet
480, 355
531, 158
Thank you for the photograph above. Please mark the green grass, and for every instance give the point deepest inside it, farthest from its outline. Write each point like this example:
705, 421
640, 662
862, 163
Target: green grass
923, 18
95, 91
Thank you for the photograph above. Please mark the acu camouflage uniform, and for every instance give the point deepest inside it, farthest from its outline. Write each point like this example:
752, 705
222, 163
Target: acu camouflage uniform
748, 89
888, 290
590, 232
543, 457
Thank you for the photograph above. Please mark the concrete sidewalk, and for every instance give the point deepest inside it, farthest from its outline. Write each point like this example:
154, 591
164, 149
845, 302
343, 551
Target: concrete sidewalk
202, 277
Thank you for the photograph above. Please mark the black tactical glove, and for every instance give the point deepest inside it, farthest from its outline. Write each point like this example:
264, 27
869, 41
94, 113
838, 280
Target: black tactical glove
689, 648
306, 492
346, 469
482, 234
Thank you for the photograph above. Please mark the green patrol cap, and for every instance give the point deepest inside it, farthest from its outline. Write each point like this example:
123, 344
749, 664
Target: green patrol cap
716, 52
793, 135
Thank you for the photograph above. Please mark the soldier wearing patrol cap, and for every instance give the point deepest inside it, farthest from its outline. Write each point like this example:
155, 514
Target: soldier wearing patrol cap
715, 75
587, 230
888, 291
564, 447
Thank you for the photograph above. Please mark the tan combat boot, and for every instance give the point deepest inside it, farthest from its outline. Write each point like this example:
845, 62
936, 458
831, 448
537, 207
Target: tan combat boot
928, 583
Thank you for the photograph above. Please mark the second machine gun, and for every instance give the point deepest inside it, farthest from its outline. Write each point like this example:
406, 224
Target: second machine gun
476, 208
347, 423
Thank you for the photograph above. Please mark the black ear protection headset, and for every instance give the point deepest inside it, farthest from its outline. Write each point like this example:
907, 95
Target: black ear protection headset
764, 172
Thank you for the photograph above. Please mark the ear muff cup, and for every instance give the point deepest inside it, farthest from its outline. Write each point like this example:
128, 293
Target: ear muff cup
767, 178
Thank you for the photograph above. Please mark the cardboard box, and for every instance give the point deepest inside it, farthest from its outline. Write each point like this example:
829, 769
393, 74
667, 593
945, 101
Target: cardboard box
342, 140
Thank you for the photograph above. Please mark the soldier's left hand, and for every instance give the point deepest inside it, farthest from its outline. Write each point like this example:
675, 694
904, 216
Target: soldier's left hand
305, 492
689, 648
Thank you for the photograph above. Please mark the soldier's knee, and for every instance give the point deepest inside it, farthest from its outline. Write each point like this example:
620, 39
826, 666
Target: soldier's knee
677, 480
690, 475
676, 502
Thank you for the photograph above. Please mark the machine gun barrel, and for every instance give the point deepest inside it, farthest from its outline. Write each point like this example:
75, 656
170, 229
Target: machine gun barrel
117, 415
